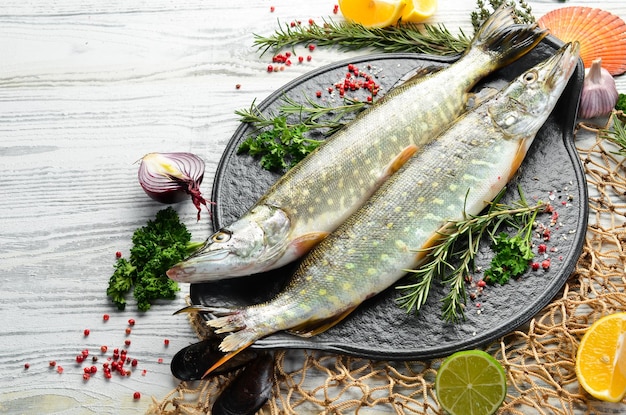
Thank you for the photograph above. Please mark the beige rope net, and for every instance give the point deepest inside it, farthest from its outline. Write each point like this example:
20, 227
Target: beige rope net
539, 358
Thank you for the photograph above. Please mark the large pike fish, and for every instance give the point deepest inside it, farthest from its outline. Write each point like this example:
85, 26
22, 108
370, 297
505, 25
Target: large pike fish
457, 173
321, 191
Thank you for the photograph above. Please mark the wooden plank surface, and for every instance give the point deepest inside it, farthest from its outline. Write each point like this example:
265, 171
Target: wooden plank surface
86, 89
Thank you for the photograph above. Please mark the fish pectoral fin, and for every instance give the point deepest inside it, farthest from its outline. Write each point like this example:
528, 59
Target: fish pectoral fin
398, 161
303, 244
314, 327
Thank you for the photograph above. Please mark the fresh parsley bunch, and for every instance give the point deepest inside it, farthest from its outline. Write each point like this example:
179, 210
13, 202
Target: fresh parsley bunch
157, 246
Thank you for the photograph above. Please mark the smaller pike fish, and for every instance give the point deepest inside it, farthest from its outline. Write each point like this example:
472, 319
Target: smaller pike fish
460, 171
321, 191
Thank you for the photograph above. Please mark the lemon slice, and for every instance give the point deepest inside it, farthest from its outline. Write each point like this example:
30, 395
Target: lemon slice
372, 13
470, 383
601, 358
417, 11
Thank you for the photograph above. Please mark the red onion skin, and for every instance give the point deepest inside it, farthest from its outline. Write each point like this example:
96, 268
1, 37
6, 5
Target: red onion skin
165, 186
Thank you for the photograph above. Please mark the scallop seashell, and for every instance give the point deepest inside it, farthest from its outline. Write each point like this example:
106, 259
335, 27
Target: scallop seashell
600, 34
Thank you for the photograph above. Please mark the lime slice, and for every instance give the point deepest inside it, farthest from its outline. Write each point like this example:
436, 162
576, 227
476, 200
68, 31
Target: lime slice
470, 383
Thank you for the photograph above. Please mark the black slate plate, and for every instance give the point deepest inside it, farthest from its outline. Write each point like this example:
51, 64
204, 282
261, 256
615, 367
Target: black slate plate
379, 329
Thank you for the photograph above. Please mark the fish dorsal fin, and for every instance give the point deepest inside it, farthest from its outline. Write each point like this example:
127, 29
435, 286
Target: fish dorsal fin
398, 161
314, 327
475, 99
416, 75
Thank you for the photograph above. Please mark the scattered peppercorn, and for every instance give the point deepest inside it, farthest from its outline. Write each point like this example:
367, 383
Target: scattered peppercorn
238, 86
59, 369
335, 9
52, 363
545, 264
535, 266
131, 322
272, 8
127, 342
103, 349
86, 332
26, 365
166, 342
118, 255
136, 395
127, 331
542, 248
311, 47
105, 317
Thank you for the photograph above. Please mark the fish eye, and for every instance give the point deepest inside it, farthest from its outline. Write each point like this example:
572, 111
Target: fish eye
223, 235
530, 77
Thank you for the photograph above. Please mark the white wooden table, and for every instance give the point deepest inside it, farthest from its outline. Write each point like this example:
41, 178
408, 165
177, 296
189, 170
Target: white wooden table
86, 89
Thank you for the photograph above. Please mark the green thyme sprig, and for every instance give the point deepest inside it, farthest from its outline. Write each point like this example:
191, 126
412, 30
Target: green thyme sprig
406, 37
522, 12
280, 144
451, 260
617, 134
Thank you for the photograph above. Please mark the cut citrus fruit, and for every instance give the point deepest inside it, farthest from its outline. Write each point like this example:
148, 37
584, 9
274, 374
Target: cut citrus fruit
470, 383
418, 10
372, 13
601, 358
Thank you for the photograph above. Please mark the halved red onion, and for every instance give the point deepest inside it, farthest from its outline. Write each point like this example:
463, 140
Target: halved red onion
172, 177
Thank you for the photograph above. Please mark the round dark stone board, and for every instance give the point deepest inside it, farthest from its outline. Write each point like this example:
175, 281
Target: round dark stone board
379, 328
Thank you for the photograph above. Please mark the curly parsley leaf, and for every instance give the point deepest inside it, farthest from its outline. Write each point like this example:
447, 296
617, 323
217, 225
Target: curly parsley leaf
511, 259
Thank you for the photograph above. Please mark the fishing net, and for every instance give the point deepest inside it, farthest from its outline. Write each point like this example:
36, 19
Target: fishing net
539, 358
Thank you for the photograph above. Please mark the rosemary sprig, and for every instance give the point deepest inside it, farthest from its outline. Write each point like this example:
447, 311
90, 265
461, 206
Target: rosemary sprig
311, 114
451, 260
434, 39
281, 144
406, 37
616, 135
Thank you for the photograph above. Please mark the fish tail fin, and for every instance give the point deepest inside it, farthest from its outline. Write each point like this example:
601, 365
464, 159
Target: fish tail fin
231, 321
240, 338
500, 35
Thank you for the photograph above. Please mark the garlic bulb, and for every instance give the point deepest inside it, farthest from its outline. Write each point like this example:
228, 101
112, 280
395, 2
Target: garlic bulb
599, 94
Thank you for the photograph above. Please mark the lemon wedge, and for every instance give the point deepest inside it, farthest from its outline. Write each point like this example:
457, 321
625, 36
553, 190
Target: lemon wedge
417, 11
372, 13
601, 358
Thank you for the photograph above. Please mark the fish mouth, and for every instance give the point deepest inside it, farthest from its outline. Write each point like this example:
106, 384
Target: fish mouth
562, 64
180, 273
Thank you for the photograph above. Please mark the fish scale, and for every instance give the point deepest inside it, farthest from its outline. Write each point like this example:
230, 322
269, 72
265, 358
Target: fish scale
456, 174
321, 191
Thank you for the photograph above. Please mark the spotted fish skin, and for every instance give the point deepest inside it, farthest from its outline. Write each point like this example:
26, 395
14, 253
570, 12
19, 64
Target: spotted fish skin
460, 171
321, 191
